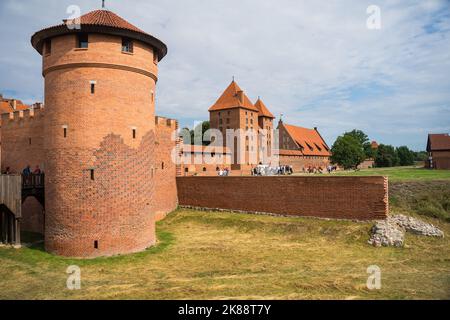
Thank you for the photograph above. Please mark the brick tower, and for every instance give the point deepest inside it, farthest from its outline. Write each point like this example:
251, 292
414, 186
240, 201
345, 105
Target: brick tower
99, 135
234, 111
265, 139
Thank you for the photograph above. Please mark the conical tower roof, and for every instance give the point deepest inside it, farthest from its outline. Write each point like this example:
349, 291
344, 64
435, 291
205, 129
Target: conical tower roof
99, 21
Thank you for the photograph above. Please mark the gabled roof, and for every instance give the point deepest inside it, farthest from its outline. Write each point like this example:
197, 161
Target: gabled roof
230, 100
309, 141
263, 111
438, 142
100, 21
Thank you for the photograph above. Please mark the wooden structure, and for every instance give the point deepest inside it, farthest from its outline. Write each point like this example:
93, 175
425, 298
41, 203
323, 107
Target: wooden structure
14, 189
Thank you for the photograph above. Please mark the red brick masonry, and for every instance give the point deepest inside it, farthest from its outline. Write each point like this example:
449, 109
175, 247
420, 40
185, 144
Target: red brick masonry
360, 198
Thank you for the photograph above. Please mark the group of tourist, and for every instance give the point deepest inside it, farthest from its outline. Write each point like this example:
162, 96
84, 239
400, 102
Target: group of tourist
223, 173
27, 171
264, 170
314, 169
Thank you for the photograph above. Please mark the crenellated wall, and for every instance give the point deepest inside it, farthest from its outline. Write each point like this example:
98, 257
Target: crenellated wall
22, 140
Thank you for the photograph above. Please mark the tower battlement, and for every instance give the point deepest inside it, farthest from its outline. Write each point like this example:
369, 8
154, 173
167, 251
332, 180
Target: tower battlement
22, 115
167, 122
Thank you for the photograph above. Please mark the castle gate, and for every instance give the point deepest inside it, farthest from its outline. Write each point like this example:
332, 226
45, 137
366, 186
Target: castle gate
14, 190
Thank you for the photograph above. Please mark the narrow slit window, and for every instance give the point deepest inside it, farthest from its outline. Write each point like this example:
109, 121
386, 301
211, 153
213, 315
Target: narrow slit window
96, 244
92, 87
92, 174
83, 41
134, 133
162, 165
29, 141
65, 132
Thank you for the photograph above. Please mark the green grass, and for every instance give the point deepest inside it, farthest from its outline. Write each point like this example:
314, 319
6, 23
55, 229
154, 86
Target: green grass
401, 173
206, 255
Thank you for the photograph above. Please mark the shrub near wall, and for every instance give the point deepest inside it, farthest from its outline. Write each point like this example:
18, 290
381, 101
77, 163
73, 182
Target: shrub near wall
360, 198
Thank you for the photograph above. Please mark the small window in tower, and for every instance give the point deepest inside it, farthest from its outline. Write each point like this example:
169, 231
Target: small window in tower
83, 41
65, 132
93, 83
29, 140
48, 47
204, 169
96, 244
186, 170
162, 165
134, 133
92, 174
127, 45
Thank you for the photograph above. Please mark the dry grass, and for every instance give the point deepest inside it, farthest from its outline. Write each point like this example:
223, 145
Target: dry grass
203, 255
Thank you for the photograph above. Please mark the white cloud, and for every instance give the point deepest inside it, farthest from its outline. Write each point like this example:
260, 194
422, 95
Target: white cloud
315, 62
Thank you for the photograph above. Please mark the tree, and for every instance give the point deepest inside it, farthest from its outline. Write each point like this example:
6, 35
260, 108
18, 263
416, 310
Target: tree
386, 156
420, 156
199, 130
405, 156
364, 140
347, 151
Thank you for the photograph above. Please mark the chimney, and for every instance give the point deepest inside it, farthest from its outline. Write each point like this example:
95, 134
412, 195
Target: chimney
14, 104
240, 95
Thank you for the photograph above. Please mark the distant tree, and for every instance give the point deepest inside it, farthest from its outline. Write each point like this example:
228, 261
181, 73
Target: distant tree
204, 126
347, 151
420, 156
386, 156
405, 156
364, 140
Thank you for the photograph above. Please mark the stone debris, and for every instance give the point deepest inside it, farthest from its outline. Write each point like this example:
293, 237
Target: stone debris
391, 232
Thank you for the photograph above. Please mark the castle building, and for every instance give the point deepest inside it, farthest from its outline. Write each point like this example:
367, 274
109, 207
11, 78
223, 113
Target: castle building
302, 148
438, 148
234, 111
253, 140
106, 156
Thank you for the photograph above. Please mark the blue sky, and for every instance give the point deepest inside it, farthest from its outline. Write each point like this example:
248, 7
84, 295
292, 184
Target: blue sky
316, 62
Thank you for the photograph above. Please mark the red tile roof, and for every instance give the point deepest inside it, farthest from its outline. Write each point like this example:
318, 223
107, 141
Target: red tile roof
263, 111
438, 142
230, 100
107, 19
6, 106
102, 21
374, 145
309, 140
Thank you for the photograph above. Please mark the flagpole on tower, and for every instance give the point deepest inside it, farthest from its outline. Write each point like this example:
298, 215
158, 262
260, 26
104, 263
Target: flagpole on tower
103, 4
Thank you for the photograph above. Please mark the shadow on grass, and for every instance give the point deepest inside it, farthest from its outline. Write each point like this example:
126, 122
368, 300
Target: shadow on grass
35, 250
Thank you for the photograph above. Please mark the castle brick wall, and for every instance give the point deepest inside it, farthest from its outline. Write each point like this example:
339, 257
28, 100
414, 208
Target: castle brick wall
22, 140
359, 198
299, 162
165, 198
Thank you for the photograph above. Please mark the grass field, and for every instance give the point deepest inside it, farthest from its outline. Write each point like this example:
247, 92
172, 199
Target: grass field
401, 173
206, 255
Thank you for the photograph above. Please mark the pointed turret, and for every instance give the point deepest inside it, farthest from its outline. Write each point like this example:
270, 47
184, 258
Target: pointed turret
233, 97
